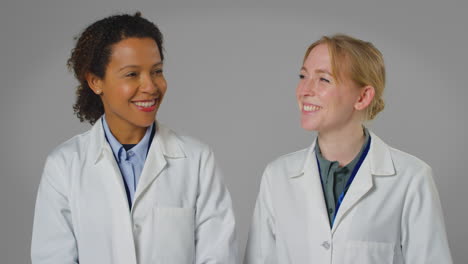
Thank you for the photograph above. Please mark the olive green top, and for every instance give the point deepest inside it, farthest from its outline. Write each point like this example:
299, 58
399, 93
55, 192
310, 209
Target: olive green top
334, 177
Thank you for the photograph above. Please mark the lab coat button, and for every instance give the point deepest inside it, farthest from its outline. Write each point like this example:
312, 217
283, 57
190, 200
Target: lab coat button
326, 245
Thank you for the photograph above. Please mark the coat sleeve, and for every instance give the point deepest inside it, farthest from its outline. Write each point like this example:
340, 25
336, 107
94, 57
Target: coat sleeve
261, 244
424, 238
53, 240
215, 233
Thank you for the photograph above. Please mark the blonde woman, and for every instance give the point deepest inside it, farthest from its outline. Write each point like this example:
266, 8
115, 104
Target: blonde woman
349, 197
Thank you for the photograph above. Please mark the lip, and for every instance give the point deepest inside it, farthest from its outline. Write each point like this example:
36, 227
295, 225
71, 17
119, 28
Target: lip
146, 109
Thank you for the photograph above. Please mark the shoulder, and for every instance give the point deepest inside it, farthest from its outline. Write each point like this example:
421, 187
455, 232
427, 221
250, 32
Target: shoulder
73, 148
62, 162
415, 177
175, 143
192, 144
403, 159
386, 160
406, 166
412, 166
288, 165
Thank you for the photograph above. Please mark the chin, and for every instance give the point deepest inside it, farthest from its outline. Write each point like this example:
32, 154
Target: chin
146, 122
309, 123
309, 126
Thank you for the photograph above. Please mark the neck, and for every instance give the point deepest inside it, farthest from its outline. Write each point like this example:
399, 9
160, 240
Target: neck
125, 133
341, 145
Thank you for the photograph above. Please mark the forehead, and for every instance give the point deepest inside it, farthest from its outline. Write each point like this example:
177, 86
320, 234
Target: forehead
136, 51
318, 58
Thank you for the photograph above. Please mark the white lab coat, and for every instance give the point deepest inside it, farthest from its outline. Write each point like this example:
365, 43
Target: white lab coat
391, 213
181, 213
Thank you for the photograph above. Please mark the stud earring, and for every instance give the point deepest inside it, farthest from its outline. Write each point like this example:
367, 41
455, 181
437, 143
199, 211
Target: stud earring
98, 92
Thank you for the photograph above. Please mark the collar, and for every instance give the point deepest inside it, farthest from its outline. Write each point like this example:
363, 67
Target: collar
379, 157
326, 164
169, 142
165, 140
140, 149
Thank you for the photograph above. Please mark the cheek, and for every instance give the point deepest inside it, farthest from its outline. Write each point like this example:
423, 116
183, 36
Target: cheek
127, 90
120, 85
298, 91
326, 95
326, 89
162, 85
128, 87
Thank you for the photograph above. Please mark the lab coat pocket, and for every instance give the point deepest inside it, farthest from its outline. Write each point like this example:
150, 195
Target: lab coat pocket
370, 252
173, 234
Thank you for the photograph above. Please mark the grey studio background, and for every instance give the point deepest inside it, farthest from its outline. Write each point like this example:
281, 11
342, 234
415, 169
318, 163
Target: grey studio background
232, 69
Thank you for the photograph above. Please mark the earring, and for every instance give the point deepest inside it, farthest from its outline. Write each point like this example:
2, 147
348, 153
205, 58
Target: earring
98, 92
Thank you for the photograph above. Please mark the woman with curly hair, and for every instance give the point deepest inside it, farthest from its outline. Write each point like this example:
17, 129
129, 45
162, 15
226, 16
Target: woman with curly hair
130, 190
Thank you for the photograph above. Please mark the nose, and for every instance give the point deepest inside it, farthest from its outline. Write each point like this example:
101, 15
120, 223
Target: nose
306, 87
148, 84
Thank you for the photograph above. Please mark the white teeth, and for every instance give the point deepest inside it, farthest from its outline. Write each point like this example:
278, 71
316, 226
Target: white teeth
310, 108
145, 104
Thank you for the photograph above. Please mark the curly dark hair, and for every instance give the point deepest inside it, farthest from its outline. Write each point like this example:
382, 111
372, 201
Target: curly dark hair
92, 53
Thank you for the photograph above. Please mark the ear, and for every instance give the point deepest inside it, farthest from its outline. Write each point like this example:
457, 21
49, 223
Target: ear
365, 97
95, 83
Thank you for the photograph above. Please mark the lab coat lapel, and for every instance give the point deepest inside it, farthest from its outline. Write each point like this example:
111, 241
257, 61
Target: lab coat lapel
378, 162
165, 145
360, 186
311, 188
114, 185
106, 167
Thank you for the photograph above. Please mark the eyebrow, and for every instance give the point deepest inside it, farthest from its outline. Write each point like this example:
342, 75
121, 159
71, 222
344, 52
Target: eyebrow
323, 71
136, 66
317, 71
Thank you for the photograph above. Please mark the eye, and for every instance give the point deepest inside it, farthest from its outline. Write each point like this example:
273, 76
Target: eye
131, 74
301, 76
157, 72
324, 80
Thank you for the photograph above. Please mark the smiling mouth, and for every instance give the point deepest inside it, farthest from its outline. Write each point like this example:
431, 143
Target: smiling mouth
310, 108
145, 104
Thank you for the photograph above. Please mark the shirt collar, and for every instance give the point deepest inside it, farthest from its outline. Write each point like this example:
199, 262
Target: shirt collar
379, 159
140, 149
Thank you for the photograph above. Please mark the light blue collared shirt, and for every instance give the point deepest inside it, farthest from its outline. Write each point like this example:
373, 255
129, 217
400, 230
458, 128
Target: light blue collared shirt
130, 162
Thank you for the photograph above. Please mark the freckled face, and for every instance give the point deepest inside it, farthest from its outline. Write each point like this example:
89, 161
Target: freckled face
325, 105
134, 86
